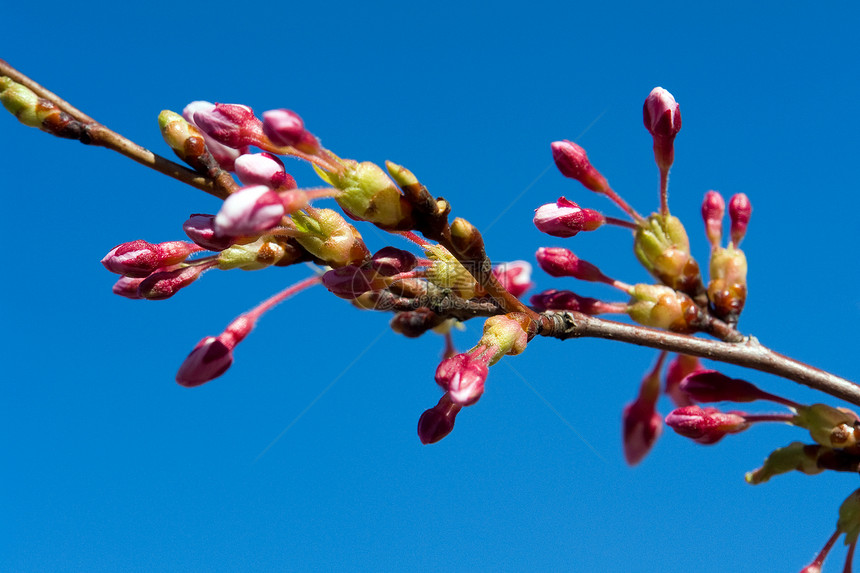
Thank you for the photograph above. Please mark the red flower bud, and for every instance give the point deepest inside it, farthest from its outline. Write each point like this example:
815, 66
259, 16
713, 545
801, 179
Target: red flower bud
560, 262
285, 128
679, 368
264, 169
712, 386
127, 287
566, 300
348, 282
390, 261
713, 209
740, 210
232, 125
225, 156
662, 117
200, 228
250, 211
164, 284
464, 375
138, 259
565, 219
705, 425
573, 162
209, 360
515, 277
437, 422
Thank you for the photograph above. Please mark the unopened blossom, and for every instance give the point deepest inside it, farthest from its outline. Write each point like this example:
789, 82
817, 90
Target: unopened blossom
348, 282
200, 228
285, 128
464, 375
641, 424
740, 210
225, 156
390, 261
573, 162
233, 125
164, 284
679, 368
561, 262
128, 287
565, 218
137, 259
263, 169
515, 277
713, 209
713, 386
662, 118
250, 211
567, 300
705, 425
213, 355
437, 422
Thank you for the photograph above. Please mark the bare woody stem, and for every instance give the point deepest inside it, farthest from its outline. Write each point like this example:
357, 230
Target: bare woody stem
750, 353
97, 134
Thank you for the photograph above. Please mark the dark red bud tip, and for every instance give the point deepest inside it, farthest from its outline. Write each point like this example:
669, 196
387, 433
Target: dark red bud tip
437, 422
705, 425
200, 228
161, 285
390, 261
348, 282
565, 300
712, 386
283, 127
740, 210
572, 162
209, 360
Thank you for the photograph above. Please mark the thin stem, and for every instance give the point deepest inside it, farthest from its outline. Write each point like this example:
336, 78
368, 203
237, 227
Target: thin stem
786, 418
749, 353
664, 192
616, 198
621, 223
272, 301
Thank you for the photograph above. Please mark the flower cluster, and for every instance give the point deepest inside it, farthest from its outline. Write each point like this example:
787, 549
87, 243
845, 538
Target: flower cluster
268, 220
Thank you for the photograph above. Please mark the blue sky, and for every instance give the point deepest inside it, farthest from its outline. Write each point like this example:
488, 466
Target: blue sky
304, 456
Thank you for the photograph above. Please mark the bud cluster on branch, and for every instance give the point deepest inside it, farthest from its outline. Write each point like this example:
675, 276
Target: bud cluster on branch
268, 219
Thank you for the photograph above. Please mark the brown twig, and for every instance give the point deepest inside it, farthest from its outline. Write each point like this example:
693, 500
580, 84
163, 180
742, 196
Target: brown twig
97, 134
750, 353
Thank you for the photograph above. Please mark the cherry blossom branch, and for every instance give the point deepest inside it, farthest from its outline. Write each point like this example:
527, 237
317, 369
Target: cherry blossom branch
95, 133
749, 352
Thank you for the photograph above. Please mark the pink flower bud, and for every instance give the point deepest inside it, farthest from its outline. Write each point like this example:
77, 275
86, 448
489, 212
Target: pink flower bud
127, 287
209, 360
679, 368
250, 211
348, 282
464, 377
263, 169
662, 118
232, 125
390, 261
200, 228
437, 422
225, 156
285, 128
713, 209
566, 300
560, 262
164, 284
515, 277
138, 259
565, 218
573, 162
740, 210
705, 425
641, 424
712, 386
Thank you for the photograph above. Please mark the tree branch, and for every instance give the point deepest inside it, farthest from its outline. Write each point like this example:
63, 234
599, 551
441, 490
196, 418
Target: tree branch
97, 134
750, 353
